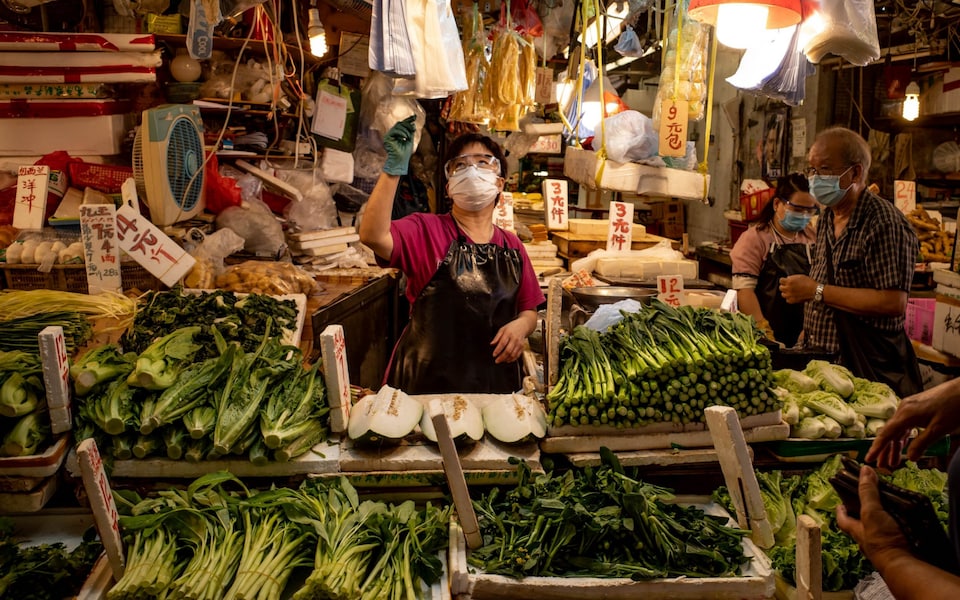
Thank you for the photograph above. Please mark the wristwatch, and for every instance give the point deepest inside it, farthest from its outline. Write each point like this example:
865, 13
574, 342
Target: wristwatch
818, 295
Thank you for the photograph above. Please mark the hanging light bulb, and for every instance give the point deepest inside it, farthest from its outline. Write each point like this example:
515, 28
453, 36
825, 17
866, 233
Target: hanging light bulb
739, 22
318, 37
911, 104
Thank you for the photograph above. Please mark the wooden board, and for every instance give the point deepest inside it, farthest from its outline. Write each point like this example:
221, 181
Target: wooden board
419, 454
405, 480
785, 591
577, 246
757, 582
36, 465
323, 458
32, 501
570, 439
646, 458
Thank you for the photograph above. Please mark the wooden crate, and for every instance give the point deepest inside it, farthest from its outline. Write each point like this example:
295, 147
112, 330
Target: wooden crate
73, 278
571, 245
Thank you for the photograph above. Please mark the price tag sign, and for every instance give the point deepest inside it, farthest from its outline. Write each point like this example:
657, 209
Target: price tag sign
31, 202
333, 349
330, 115
105, 517
555, 204
673, 128
98, 231
548, 144
670, 289
55, 365
620, 231
151, 248
503, 213
545, 92
905, 195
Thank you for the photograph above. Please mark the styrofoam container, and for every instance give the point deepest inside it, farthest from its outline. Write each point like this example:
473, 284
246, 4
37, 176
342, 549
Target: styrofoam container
99, 135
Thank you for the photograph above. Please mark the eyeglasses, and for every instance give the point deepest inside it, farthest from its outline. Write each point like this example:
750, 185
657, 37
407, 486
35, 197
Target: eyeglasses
811, 171
810, 210
487, 162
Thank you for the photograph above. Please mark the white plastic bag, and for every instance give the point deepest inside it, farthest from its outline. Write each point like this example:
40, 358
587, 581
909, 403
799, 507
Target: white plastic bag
847, 28
630, 137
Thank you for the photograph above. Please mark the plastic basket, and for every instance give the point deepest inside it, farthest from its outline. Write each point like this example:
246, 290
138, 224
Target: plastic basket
73, 278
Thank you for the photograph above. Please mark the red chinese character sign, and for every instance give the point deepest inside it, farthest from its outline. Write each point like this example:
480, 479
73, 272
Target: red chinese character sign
670, 289
673, 128
620, 231
555, 204
503, 213
905, 195
150, 247
105, 516
31, 203
56, 377
98, 231
333, 349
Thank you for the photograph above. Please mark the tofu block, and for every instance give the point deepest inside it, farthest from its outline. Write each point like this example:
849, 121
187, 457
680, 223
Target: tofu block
589, 226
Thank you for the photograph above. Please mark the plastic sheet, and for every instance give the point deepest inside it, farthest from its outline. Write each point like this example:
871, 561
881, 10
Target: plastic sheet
847, 28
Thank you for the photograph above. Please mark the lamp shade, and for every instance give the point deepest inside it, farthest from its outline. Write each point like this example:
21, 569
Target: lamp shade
780, 13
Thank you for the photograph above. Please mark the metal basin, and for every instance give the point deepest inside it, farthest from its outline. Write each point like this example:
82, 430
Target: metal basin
592, 297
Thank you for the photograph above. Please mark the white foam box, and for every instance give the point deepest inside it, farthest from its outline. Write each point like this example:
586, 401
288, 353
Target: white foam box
583, 166
946, 321
77, 135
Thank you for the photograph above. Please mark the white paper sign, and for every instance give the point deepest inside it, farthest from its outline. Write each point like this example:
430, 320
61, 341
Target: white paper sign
330, 115
56, 376
670, 289
555, 204
353, 59
151, 248
905, 195
333, 349
798, 147
98, 230
31, 203
548, 144
503, 213
545, 90
620, 231
104, 509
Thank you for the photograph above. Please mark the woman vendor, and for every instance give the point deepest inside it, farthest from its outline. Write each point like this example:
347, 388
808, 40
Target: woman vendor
472, 289
779, 245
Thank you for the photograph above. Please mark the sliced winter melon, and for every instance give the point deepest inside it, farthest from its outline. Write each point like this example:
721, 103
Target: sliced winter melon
390, 414
511, 418
463, 417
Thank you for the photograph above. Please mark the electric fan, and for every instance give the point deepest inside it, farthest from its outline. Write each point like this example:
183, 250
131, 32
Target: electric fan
168, 162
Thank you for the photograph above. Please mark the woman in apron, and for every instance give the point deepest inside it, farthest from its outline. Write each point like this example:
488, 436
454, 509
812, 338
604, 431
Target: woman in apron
472, 289
780, 244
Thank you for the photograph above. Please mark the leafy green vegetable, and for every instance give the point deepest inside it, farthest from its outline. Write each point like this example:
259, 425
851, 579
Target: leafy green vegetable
795, 381
873, 399
27, 434
827, 403
99, 365
158, 366
831, 378
45, 571
809, 428
294, 410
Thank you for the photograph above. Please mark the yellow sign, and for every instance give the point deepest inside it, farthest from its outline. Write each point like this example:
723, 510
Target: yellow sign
673, 128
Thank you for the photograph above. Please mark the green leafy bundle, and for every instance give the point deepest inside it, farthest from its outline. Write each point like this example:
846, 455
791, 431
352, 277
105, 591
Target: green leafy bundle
45, 571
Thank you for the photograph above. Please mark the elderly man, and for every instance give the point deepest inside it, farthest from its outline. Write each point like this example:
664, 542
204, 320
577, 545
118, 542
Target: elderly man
856, 293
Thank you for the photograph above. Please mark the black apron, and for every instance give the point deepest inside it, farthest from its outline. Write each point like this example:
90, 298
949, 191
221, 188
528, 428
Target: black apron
783, 260
446, 345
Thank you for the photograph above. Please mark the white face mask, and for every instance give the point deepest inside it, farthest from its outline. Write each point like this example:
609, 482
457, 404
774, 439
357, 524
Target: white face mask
473, 189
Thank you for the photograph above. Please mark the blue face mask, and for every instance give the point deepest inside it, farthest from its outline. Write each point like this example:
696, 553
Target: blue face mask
795, 221
826, 188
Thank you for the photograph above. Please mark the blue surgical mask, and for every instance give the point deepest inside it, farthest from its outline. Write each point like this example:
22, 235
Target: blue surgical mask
826, 188
795, 221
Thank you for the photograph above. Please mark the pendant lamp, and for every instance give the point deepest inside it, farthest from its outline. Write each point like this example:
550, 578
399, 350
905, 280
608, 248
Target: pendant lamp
739, 21
911, 103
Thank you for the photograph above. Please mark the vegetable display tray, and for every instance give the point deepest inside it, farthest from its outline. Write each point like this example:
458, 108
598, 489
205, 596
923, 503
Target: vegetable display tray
756, 583
30, 501
785, 591
291, 337
587, 438
420, 454
802, 450
36, 465
322, 459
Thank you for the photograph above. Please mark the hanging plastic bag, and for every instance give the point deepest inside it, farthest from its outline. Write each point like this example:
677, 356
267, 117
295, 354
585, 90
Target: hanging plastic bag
789, 82
629, 43
573, 110
209, 256
468, 106
684, 73
317, 209
630, 137
525, 18
260, 230
435, 42
847, 28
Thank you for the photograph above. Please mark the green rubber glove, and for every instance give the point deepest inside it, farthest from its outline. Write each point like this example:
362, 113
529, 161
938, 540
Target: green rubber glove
399, 145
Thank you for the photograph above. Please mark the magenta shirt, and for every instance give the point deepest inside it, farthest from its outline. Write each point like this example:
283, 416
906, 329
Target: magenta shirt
421, 241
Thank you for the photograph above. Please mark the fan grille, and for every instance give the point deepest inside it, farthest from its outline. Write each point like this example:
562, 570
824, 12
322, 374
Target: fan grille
184, 160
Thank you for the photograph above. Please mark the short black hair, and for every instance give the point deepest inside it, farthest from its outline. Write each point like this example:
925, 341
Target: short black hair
456, 148
785, 187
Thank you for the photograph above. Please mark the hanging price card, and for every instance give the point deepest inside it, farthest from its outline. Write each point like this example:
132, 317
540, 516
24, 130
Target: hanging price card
620, 232
150, 247
98, 230
905, 195
673, 128
503, 213
670, 289
333, 349
545, 90
31, 203
555, 204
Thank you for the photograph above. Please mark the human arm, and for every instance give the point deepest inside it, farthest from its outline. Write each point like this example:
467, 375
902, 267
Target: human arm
375, 226
886, 548
859, 301
508, 343
936, 410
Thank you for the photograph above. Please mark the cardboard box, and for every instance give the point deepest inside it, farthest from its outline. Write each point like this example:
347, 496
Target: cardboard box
920, 319
946, 325
667, 218
941, 93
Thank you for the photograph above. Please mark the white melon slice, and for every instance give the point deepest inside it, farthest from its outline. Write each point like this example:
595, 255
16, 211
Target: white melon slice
513, 417
463, 417
389, 415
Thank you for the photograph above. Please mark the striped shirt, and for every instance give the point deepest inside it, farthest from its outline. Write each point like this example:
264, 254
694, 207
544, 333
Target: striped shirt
877, 250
